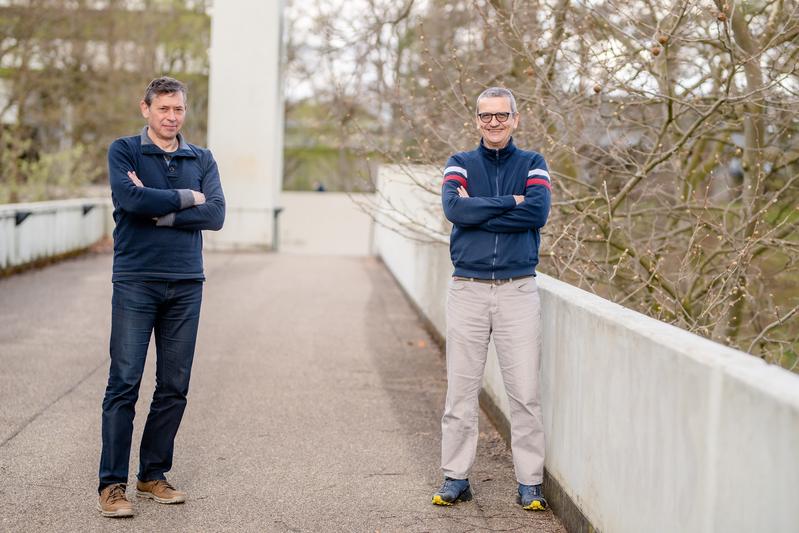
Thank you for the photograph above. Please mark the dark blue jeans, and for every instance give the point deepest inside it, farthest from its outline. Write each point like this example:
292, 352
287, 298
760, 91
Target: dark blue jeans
171, 309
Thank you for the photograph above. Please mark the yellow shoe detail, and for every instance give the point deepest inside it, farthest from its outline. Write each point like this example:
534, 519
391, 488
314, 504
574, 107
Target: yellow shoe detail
437, 500
536, 505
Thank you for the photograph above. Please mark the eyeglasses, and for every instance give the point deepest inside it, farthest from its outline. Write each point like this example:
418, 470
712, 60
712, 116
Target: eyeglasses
487, 117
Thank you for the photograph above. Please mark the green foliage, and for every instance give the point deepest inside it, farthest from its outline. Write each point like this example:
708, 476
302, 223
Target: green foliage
73, 76
321, 149
29, 178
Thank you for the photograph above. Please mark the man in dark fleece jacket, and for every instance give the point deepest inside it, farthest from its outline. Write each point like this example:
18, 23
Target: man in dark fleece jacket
165, 191
497, 198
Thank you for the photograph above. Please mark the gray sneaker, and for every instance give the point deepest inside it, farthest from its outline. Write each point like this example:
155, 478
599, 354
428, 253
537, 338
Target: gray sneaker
531, 497
452, 491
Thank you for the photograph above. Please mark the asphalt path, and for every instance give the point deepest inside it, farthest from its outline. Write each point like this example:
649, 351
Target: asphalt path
315, 405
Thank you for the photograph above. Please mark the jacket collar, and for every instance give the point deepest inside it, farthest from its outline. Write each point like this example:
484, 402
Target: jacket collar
149, 147
503, 153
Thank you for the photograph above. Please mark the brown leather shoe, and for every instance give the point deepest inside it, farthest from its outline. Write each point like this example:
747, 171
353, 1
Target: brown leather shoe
159, 490
113, 503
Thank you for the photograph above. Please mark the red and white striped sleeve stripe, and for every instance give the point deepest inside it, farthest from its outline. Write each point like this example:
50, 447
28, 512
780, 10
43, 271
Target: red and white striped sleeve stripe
455, 174
539, 176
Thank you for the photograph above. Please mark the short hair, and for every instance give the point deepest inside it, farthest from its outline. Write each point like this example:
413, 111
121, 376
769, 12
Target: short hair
494, 92
164, 85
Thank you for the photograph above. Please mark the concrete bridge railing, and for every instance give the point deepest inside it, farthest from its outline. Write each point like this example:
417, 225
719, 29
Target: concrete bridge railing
41, 231
649, 427
311, 223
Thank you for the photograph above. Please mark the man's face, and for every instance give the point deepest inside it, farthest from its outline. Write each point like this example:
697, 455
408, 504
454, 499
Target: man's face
165, 115
496, 134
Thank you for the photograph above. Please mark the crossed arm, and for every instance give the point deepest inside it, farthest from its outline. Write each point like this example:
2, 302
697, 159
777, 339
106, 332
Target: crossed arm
179, 208
198, 198
207, 212
210, 215
463, 210
530, 212
503, 214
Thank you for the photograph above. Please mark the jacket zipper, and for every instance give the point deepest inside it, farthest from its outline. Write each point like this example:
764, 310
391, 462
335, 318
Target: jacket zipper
496, 235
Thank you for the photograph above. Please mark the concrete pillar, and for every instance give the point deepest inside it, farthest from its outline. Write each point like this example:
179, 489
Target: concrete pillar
245, 119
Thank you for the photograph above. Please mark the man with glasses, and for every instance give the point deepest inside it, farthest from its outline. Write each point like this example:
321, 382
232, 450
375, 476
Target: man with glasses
165, 191
497, 198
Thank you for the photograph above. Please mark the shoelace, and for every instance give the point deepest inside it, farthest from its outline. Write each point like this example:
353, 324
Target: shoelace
449, 484
533, 491
165, 483
116, 493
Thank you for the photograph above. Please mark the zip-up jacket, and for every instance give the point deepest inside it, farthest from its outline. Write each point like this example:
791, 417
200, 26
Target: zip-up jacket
157, 234
493, 237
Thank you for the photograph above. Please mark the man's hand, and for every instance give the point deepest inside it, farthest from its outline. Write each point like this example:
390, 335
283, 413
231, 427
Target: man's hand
199, 198
135, 179
519, 198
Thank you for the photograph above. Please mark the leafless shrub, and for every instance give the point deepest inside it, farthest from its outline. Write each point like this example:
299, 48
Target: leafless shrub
671, 130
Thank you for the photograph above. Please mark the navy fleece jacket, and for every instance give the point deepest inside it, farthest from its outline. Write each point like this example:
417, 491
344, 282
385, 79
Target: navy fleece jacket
157, 234
493, 237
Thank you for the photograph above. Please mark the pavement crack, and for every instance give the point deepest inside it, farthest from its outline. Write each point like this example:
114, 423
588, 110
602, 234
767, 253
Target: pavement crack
37, 414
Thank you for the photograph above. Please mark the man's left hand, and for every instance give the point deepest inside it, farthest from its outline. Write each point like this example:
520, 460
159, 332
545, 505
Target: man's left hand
135, 179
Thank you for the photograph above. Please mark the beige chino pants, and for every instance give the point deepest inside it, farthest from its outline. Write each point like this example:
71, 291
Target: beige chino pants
511, 313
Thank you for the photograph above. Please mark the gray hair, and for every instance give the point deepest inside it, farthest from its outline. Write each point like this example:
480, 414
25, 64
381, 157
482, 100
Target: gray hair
494, 92
164, 85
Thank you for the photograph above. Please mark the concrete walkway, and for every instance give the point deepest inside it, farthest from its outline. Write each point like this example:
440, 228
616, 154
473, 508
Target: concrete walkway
315, 406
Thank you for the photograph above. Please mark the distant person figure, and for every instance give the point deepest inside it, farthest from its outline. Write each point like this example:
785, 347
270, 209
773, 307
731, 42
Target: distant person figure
497, 197
165, 191
318, 186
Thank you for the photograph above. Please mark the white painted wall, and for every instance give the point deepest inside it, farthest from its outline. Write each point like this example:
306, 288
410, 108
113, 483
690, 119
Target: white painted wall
53, 228
687, 434
326, 223
649, 428
245, 119
421, 264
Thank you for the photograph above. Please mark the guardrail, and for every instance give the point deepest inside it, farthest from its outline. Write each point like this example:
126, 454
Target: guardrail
649, 427
41, 231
